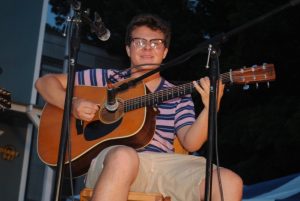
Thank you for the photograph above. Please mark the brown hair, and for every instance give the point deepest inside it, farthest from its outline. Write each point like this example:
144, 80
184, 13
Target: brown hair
153, 22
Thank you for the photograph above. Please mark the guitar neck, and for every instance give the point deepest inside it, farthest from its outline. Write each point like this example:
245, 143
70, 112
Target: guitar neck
243, 76
9, 152
5, 99
164, 95
158, 97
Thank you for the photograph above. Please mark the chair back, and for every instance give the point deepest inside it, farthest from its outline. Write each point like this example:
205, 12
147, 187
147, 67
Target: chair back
179, 148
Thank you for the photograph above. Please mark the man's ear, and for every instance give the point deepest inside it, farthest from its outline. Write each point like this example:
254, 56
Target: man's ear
165, 52
128, 50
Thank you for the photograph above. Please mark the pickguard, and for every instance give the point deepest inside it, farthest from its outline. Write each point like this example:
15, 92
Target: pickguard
97, 129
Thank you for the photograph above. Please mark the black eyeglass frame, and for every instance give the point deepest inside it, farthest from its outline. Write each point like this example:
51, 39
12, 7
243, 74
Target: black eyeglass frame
159, 40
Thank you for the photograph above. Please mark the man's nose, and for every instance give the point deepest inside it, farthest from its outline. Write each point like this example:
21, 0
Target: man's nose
148, 45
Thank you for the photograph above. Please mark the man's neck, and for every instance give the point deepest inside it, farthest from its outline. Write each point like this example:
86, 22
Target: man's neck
152, 82
152, 78
139, 73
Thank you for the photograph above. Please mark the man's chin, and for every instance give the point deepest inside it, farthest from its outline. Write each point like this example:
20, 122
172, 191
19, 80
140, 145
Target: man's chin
148, 67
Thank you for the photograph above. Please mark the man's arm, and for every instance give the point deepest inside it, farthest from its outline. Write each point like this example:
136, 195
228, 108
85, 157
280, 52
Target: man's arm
52, 88
193, 137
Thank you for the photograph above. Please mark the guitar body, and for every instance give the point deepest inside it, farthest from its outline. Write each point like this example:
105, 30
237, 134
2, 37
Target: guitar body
135, 128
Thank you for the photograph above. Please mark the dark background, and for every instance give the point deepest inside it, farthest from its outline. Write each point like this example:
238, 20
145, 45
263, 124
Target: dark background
259, 128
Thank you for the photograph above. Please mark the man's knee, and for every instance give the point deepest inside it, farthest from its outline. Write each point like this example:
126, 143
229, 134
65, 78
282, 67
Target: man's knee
231, 178
122, 157
232, 184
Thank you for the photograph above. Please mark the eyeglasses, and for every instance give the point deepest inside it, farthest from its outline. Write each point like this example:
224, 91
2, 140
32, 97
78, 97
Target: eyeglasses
141, 43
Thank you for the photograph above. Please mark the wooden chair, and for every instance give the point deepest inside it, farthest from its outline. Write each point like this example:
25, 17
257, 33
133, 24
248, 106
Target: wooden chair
86, 193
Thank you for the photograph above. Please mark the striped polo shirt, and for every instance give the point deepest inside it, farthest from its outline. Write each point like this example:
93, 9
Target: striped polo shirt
173, 114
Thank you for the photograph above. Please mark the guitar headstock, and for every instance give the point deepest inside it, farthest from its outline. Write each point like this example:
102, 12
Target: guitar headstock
8, 152
5, 99
254, 74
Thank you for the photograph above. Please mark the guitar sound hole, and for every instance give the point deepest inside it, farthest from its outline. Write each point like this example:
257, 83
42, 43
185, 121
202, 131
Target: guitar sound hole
97, 129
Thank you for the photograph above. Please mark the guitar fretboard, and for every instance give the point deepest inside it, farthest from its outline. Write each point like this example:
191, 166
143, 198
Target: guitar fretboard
243, 76
164, 95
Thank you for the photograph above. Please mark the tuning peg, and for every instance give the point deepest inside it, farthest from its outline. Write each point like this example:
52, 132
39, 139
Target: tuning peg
246, 87
253, 67
264, 66
256, 85
268, 84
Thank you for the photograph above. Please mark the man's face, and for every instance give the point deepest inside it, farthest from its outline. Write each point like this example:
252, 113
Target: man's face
147, 47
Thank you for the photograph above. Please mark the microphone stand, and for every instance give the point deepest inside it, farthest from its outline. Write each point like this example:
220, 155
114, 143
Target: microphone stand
75, 27
212, 116
213, 76
74, 32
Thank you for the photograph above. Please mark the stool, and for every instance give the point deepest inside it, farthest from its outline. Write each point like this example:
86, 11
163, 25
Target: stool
86, 194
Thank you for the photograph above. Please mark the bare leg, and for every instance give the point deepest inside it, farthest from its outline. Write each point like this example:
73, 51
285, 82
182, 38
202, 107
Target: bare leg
232, 186
119, 171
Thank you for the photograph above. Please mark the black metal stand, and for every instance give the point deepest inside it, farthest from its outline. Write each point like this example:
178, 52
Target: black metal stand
74, 30
75, 27
212, 117
214, 72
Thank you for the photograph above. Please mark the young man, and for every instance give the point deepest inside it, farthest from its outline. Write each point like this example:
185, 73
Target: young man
154, 168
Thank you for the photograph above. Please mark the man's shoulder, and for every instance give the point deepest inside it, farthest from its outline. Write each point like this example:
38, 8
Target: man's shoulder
167, 84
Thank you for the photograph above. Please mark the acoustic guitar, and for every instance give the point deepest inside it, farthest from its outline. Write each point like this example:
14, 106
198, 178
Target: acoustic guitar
8, 152
5, 99
132, 124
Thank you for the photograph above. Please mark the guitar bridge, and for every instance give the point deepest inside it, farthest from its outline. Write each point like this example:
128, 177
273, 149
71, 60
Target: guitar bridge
79, 127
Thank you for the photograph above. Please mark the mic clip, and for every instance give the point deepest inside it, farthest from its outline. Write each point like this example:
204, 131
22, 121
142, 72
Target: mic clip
101, 31
111, 104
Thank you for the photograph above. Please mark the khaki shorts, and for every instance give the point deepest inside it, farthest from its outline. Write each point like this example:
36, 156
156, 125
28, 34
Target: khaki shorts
175, 175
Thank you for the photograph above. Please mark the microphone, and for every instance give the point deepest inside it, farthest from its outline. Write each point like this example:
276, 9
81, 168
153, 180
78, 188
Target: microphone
111, 104
101, 32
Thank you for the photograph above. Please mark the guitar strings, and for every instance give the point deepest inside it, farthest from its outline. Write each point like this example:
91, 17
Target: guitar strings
173, 92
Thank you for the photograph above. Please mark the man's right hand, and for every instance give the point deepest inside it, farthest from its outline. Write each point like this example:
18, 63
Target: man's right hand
84, 109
